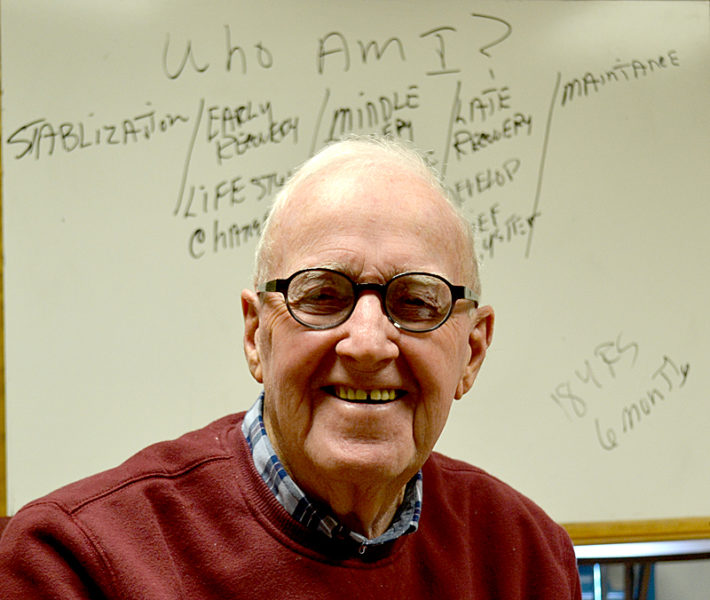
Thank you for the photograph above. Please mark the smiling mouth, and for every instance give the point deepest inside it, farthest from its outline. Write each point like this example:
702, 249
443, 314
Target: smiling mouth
377, 396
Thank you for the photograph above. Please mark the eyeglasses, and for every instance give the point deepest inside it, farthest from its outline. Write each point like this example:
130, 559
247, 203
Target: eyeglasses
323, 298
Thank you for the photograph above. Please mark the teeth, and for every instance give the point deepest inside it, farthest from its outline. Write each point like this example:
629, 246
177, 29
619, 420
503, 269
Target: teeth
347, 393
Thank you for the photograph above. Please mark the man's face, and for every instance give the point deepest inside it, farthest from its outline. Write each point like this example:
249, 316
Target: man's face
370, 226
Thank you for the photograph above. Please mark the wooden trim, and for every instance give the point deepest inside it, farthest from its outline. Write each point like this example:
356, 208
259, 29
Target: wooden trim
3, 454
613, 532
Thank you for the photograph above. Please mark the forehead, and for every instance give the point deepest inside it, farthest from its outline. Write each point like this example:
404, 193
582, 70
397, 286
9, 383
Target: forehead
374, 221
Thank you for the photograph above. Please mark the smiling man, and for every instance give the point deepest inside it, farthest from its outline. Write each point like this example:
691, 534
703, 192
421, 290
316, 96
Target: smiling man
358, 389
364, 325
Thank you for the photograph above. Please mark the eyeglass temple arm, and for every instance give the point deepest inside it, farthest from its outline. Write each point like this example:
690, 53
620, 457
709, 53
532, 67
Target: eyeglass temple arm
467, 293
275, 285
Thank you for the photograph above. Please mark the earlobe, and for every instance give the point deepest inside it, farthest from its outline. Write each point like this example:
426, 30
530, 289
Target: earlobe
250, 310
479, 340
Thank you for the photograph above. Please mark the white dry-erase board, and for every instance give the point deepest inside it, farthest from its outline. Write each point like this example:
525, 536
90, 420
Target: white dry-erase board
142, 142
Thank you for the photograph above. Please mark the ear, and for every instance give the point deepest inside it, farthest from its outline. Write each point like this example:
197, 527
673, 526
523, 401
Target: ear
479, 340
250, 310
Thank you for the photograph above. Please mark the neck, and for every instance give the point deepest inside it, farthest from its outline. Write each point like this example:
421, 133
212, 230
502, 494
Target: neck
368, 510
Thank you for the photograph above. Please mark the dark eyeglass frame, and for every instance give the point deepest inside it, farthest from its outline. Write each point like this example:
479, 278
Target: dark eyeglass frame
458, 292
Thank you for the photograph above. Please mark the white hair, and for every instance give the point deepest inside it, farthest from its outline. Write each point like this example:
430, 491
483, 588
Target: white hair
361, 152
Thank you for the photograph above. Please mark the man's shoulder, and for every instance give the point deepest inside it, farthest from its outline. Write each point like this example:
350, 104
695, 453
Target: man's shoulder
457, 473
495, 528
166, 460
478, 492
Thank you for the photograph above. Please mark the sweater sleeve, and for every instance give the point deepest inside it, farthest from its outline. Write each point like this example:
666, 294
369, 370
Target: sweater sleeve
45, 554
570, 563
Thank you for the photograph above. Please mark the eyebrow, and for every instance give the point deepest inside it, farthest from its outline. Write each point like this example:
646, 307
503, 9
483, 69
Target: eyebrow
342, 268
336, 266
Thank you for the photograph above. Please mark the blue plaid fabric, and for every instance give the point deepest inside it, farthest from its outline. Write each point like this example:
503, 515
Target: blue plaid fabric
297, 504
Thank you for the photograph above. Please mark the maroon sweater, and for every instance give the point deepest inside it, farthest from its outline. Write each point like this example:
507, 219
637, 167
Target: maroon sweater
192, 519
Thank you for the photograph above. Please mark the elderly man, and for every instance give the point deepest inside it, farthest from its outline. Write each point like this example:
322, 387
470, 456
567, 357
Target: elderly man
363, 327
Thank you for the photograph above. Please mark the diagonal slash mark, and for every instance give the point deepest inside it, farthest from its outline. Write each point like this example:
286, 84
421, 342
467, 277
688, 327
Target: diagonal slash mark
191, 146
454, 109
319, 120
541, 170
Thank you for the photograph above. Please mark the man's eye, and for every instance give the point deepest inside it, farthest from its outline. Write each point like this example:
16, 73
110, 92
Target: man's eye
416, 307
323, 296
323, 300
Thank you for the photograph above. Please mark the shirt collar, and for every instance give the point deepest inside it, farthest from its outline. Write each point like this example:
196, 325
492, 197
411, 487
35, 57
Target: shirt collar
294, 500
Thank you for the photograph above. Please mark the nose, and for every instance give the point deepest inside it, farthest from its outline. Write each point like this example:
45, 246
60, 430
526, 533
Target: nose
369, 337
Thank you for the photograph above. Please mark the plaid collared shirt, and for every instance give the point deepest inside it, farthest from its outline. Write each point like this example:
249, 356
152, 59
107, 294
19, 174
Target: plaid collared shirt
297, 504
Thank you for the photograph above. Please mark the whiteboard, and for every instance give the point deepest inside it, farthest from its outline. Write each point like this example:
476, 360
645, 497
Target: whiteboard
143, 141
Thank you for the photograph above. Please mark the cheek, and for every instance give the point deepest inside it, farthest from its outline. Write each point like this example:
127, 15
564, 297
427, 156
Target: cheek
272, 339
290, 354
439, 364
438, 367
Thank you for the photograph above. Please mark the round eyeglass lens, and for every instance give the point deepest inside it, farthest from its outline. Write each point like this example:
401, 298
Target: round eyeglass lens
418, 302
320, 298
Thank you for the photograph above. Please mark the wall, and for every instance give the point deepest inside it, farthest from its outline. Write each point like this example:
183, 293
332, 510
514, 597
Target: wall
143, 141
687, 580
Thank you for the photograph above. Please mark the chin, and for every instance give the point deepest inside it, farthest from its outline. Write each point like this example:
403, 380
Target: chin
369, 461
